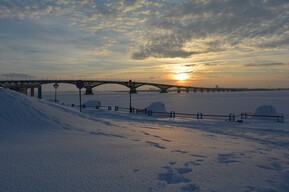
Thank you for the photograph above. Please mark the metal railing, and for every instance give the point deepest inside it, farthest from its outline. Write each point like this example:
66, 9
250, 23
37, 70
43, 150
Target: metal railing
230, 117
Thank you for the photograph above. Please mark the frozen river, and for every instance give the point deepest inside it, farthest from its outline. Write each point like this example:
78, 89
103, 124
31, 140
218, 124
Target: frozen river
220, 103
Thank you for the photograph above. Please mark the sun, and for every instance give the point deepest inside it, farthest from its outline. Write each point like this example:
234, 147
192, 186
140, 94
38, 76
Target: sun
181, 76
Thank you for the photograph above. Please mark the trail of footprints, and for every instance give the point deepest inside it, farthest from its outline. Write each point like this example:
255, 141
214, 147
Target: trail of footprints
177, 175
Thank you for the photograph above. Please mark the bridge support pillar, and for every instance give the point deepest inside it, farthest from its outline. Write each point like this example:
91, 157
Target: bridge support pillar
178, 89
132, 90
40, 92
187, 89
88, 91
164, 90
32, 92
23, 90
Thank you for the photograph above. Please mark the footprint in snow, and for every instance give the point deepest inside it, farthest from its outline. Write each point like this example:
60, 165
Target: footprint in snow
172, 162
106, 134
272, 166
145, 133
226, 158
157, 145
179, 151
135, 139
191, 188
173, 178
192, 163
176, 176
200, 156
183, 170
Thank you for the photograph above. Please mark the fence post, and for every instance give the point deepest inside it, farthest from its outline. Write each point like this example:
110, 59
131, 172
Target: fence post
280, 118
243, 116
199, 116
150, 113
231, 117
172, 114
116, 108
109, 108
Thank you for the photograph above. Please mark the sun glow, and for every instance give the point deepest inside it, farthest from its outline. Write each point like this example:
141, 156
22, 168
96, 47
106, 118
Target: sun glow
181, 76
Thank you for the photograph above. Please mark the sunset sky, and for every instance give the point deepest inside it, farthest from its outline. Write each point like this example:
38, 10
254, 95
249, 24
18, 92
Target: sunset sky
230, 43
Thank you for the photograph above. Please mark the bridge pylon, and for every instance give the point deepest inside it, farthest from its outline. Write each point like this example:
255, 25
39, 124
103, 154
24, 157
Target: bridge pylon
88, 91
164, 88
133, 90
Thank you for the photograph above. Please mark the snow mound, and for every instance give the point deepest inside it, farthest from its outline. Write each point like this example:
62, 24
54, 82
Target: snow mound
157, 107
265, 110
20, 111
92, 103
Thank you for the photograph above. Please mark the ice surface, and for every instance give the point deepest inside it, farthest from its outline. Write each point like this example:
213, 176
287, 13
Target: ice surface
49, 147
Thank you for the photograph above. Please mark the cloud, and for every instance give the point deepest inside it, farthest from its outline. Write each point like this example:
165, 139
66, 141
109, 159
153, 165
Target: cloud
98, 51
187, 72
145, 29
3, 46
265, 64
17, 76
170, 29
187, 28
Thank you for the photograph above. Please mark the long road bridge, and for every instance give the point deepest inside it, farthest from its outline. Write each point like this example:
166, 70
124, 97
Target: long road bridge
24, 85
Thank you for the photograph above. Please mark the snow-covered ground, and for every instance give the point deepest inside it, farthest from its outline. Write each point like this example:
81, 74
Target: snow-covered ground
49, 147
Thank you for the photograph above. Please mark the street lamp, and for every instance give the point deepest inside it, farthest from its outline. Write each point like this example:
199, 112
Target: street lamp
130, 84
55, 87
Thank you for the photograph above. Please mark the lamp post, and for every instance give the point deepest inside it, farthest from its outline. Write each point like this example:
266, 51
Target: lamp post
80, 85
55, 87
130, 84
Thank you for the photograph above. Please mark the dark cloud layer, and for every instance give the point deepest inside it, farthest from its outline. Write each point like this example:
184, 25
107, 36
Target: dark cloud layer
193, 27
265, 64
168, 29
17, 76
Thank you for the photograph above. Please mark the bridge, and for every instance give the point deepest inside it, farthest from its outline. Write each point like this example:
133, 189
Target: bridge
24, 85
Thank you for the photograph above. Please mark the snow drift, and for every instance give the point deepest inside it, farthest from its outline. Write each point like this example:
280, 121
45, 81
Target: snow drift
157, 107
264, 112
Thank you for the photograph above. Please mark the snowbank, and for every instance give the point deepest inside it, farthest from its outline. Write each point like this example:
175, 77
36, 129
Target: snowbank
157, 107
19, 113
263, 111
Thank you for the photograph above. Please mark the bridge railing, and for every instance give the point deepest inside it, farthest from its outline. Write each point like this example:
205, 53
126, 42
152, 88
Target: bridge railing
230, 117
